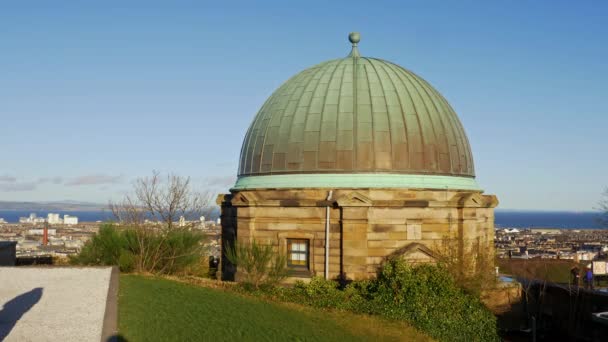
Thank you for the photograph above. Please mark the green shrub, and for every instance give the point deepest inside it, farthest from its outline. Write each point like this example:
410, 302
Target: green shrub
105, 248
259, 265
167, 252
179, 250
126, 262
319, 293
322, 293
426, 296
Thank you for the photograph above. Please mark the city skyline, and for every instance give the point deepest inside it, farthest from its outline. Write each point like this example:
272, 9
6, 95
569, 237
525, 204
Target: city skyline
97, 96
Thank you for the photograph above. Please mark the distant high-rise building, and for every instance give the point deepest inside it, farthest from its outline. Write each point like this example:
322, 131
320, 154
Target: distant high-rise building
67, 219
33, 218
53, 218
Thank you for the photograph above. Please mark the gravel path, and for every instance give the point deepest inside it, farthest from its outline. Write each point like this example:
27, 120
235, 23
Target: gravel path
52, 304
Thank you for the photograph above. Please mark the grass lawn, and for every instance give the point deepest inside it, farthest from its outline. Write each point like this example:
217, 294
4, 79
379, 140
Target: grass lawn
543, 269
153, 309
557, 271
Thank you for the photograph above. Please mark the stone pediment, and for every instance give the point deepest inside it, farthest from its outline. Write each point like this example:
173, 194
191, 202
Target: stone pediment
477, 200
241, 199
473, 200
354, 199
417, 253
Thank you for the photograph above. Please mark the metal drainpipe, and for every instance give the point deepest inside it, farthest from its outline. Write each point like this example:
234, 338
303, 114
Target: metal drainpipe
327, 235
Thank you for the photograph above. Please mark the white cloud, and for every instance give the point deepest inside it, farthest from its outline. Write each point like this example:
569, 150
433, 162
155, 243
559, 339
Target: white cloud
7, 178
94, 180
14, 187
53, 180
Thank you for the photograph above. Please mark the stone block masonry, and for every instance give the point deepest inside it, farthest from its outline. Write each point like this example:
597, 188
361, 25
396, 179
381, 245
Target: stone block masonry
367, 226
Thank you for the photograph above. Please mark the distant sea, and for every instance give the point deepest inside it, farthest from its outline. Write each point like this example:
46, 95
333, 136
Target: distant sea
504, 218
546, 219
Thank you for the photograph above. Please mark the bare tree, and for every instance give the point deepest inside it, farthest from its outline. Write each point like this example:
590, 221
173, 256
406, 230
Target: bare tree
157, 207
161, 201
471, 266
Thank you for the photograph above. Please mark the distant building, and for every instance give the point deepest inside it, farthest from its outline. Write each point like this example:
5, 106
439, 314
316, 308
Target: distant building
54, 219
40, 231
584, 256
26, 245
74, 244
67, 219
546, 231
33, 218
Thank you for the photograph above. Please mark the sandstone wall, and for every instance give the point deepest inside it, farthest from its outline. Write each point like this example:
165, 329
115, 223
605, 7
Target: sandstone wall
366, 225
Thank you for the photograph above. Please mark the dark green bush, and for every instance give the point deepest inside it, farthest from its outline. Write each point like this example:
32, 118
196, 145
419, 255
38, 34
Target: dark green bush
105, 248
426, 296
320, 293
132, 249
259, 265
126, 262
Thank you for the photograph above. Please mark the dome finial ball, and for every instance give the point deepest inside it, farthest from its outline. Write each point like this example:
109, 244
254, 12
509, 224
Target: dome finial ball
354, 37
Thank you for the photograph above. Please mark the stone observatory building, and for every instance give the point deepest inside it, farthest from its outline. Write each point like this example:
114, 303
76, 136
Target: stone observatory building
353, 161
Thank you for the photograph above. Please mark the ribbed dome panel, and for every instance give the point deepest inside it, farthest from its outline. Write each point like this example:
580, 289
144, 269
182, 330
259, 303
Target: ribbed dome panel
356, 115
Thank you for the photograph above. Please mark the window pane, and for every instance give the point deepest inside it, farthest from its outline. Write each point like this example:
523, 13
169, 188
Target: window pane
298, 252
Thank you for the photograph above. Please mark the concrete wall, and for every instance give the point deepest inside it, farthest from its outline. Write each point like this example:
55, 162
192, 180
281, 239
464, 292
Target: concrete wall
366, 225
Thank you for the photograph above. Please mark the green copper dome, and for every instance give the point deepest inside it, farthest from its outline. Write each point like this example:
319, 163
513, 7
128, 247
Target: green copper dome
356, 115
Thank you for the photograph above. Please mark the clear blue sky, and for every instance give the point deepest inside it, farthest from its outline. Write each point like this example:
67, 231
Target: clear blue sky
95, 94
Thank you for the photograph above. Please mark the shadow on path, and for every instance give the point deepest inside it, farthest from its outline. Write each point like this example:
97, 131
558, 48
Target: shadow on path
117, 338
13, 310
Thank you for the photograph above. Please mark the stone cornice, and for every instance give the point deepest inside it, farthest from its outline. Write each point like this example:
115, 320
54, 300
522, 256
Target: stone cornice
357, 198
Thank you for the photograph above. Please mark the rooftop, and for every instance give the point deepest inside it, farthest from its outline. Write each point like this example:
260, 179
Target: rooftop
356, 115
